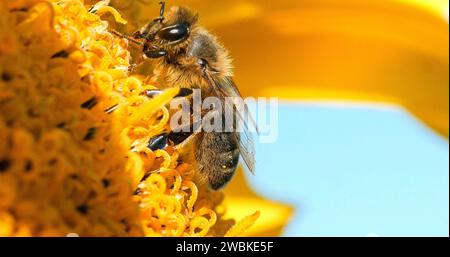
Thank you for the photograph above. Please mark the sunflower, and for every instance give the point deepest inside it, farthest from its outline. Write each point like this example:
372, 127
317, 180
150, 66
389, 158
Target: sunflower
74, 127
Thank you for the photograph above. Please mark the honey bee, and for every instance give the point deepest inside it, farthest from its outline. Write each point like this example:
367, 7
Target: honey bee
189, 57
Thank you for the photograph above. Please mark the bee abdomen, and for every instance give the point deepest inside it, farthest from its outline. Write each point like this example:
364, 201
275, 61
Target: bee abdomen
218, 156
223, 169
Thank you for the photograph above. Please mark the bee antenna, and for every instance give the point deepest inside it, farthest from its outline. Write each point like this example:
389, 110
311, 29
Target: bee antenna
161, 11
163, 8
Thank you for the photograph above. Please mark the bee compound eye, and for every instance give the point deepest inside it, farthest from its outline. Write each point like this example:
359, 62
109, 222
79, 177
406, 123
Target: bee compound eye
175, 33
156, 53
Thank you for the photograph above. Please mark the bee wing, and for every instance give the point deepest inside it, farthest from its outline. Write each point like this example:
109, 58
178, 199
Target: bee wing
226, 89
247, 150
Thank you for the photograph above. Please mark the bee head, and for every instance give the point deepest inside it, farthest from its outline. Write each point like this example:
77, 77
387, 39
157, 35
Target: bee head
169, 32
184, 48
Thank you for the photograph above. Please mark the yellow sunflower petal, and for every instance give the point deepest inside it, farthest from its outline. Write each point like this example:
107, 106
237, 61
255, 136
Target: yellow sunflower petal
243, 225
241, 201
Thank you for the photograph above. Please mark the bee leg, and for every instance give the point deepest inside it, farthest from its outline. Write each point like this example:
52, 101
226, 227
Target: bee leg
159, 142
162, 141
179, 137
139, 61
132, 39
183, 92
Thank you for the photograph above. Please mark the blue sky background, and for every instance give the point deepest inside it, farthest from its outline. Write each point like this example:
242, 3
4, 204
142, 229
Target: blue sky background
356, 171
